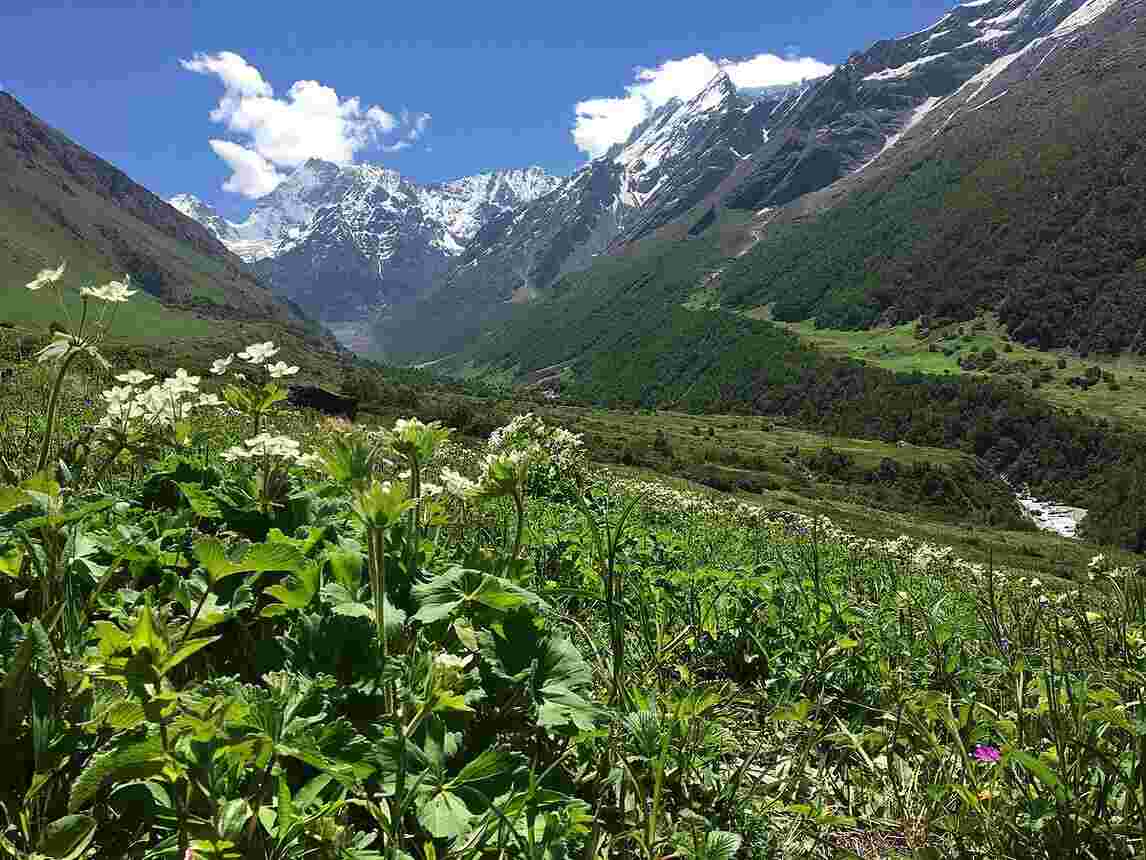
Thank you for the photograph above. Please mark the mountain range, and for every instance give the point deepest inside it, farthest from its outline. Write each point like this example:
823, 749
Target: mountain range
347, 241
991, 161
766, 155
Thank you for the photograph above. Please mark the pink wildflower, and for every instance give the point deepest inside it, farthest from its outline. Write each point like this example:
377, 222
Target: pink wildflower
987, 754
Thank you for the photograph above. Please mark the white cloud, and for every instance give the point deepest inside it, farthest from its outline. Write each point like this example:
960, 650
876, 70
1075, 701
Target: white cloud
602, 122
252, 175
311, 121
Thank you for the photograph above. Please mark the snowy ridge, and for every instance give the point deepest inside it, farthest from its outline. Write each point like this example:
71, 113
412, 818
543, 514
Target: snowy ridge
287, 217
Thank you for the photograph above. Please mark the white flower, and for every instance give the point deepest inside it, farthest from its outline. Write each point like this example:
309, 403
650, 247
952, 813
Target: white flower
311, 461
265, 445
209, 400
428, 490
181, 383
219, 365
457, 484
257, 353
134, 377
112, 291
280, 369
157, 404
63, 344
119, 395
242, 377
448, 671
47, 276
236, 452
450, 661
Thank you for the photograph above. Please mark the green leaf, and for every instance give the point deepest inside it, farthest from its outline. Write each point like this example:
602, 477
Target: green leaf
57, 520
286, 807
1032, 765
310, 792
11, 560
232, 816
133, 759
563, 672
558, 679
394, 755
797, 712
202, 504
297, 592
33, 651
145, 636
266, 557
11, 635
488, 764
68, 837
121, 716
192, 647
444, 594
260, 558
444, 815
346, 563
12, 498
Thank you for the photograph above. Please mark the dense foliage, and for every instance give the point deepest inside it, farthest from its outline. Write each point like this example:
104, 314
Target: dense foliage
390, 646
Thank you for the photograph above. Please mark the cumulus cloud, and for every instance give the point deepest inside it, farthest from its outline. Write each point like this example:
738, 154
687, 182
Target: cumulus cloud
274, 134
602, 122
252, 175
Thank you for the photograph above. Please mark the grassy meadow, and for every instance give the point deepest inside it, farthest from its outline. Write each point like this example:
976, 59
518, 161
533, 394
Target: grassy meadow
901, 349
231, 629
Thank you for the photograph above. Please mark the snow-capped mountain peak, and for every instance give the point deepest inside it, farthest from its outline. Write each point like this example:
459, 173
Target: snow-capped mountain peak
205, 214
342, 239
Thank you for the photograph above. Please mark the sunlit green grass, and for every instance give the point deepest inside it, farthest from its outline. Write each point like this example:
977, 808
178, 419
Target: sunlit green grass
897, 348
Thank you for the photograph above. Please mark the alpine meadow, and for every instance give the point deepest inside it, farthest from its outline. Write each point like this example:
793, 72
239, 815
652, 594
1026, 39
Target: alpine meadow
747, 464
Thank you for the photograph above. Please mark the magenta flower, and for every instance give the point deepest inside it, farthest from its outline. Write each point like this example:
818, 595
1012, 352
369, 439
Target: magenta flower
987, 754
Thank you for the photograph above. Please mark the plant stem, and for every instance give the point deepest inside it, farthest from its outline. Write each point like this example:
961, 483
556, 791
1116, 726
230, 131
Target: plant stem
519, 504
376, 545
53, 402
107, 464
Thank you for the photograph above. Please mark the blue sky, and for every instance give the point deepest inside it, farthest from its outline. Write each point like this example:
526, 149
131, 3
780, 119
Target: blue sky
457, 87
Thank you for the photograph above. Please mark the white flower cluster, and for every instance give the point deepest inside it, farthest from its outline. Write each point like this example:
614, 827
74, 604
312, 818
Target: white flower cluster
457, 484
919, 556
257, 355
112, 292
562, 453
47, 276
266, 445
132, 407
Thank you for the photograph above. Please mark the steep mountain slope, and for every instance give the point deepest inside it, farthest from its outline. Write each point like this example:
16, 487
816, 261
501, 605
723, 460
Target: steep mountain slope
865, 107
57, 200
346, 240
1028, 199
720, 149
1025, 197
676, 160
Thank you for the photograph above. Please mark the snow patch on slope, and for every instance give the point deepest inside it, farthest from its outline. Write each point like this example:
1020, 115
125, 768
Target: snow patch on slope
1008, 17
904, 70
989, 36
916, 117
1086, 14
